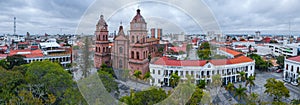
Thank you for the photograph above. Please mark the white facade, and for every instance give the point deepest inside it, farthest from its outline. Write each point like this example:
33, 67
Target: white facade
64, 59
230, 73
244, 43
263, 50
291, 71
286, 50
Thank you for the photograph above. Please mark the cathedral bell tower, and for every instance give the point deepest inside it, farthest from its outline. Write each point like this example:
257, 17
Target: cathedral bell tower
102, 50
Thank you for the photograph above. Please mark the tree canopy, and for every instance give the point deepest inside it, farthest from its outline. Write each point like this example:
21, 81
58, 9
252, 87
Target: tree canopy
108, 81
174, 79
276, 88
204, 51
280, 61
148, 97
42, 82
260, 63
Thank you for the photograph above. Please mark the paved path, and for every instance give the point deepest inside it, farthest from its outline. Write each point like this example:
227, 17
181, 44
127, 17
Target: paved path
224, 98
193, 54
136, 85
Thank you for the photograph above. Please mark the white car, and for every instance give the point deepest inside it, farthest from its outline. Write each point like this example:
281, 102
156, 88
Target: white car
294, 83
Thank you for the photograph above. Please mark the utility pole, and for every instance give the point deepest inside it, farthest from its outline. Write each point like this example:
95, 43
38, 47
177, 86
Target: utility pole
15, 27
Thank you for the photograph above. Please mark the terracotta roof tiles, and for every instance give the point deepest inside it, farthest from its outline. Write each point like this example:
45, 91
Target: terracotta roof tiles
297, 58
216, 62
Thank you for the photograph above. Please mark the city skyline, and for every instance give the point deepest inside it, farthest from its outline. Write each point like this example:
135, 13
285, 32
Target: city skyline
233, 16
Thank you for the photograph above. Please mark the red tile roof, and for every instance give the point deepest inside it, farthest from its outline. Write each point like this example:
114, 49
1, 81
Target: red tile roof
216, 62
177, 49
297, 58
23, 43
232, 52
3, 55
170, 62
27, 53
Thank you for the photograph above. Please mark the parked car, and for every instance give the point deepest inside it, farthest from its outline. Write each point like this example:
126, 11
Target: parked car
294, 83
279, 71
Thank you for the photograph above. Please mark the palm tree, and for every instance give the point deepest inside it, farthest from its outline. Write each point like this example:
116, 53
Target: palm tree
216, 80
147, 76
201, 84
137, 74
250, 82
240, 92
230, 87
243, 76
174, 79
253, 97
128, 99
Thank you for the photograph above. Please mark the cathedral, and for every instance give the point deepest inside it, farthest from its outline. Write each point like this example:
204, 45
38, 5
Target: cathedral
131, 52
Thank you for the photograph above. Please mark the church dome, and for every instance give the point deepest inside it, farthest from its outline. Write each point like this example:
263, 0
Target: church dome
138, 18
101, 23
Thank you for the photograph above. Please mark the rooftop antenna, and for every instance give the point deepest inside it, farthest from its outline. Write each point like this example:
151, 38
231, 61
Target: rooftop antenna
15, 27
289, 36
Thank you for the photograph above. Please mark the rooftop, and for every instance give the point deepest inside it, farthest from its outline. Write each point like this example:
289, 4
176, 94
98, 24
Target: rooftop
297, 58
232, 52
27, 53
49, 44
216, 62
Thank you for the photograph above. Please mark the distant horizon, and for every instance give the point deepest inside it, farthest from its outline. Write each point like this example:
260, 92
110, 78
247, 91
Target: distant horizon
227, 33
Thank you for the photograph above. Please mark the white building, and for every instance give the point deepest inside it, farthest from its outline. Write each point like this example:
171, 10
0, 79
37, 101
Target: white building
228, 52
263, 50
291, 70
37, 55
244, 43
162, 68
285, 49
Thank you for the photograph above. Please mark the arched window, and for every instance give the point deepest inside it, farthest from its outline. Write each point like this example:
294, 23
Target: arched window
120, 50
132, 54
208, 66
292, 68
286, 66
132, 39
298, 70
103, 49
137, 55
120, 63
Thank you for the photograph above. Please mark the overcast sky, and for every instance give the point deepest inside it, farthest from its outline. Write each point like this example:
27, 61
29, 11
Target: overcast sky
233, 16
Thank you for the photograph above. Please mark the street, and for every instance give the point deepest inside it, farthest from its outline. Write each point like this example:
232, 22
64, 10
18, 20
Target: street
193, 55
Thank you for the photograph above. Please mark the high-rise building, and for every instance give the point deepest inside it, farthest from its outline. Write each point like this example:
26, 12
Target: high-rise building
159, 33
152, 32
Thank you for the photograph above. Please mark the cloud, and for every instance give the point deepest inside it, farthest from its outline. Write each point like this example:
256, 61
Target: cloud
270, 16
39, 17
233, 16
